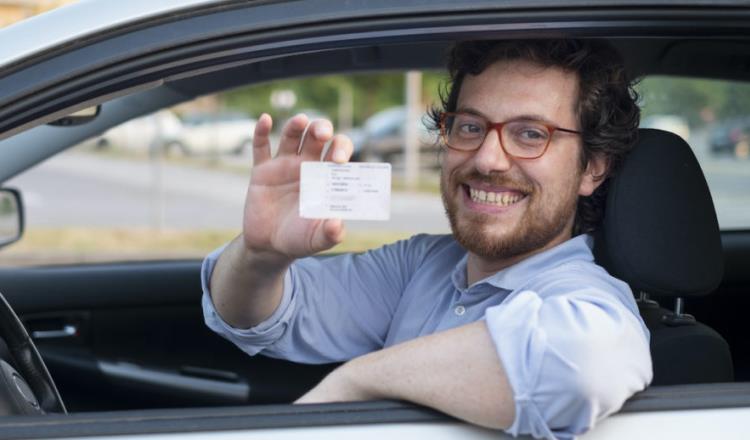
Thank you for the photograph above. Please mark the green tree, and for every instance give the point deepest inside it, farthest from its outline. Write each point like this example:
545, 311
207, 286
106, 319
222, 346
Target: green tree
370, 92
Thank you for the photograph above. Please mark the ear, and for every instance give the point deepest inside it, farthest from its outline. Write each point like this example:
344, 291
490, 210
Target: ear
593, 175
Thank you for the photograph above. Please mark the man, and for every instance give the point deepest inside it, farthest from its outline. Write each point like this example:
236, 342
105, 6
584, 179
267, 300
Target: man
507, 323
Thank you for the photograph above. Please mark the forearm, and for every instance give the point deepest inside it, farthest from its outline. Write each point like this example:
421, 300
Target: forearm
457, 372
246, 287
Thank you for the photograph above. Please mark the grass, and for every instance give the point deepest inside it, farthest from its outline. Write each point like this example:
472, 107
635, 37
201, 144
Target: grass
43, 246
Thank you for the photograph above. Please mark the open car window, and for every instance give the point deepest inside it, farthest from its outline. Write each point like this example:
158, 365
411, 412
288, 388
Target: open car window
171, 184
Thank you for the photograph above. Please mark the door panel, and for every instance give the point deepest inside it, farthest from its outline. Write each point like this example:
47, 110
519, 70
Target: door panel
129, 336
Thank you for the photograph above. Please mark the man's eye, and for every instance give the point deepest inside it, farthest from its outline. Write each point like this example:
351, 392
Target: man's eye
534, 134
469, 129
531, 134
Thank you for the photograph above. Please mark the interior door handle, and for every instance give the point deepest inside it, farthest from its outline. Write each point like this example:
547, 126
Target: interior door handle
66, 332
177, 384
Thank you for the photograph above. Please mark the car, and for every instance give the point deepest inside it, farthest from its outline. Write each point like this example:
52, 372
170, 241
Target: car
215, 133
143, 135
193, 134
383, 136
730, 137
676, 124
124, 341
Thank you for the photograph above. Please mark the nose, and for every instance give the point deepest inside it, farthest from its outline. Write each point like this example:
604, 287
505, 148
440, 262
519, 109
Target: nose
491, 156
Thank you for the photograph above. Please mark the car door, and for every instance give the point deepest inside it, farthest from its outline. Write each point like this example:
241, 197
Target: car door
131, 336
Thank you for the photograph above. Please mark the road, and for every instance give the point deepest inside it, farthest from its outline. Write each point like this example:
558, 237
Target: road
94, 190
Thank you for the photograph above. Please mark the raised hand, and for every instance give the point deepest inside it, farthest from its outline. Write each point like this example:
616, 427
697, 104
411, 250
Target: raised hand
271, 220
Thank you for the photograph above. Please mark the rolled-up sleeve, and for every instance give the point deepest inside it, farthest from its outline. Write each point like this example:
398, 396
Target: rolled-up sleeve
332, 308
251, 340
571, 359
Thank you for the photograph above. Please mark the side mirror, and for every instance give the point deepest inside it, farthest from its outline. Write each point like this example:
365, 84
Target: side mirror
11, 216
78, 118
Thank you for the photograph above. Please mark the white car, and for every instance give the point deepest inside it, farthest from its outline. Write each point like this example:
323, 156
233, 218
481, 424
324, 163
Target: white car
215, 133
196, 134
145, 134
125, 343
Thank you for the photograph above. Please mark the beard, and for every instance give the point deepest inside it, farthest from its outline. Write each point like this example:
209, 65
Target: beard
542, 221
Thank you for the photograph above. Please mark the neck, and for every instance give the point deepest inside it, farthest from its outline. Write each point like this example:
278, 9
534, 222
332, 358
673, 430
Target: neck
479, 267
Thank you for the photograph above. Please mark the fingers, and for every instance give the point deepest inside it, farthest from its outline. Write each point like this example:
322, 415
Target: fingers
327, 235
301, 136
291, 134
319, 132
261, 142
334, 231
341, 149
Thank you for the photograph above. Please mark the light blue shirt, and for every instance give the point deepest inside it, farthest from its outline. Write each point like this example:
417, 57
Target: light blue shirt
568, 334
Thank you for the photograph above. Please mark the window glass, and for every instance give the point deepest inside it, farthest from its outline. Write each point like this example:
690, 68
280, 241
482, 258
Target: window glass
714, 117
172, 184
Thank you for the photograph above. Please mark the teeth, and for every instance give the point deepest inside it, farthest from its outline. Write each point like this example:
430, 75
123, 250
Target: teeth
500, 199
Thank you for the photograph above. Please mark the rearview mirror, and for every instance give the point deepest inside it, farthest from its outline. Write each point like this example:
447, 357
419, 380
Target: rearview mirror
78, 118
11, 216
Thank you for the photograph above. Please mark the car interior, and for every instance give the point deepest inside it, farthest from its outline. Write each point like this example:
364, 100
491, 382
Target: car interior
138, 340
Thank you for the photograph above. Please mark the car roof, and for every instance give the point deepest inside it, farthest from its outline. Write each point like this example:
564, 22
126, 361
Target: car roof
75, 22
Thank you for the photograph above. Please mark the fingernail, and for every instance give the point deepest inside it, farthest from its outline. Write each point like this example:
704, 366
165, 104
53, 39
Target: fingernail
339, 155
322, 131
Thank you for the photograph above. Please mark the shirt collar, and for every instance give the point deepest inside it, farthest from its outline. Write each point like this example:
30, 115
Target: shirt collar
576, 249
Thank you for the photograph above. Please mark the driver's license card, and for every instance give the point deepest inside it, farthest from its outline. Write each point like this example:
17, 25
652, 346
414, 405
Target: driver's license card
351, 191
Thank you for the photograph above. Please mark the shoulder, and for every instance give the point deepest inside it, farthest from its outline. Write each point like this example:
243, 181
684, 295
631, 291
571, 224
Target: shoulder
430, 249
580, 281
574, 276
431, 243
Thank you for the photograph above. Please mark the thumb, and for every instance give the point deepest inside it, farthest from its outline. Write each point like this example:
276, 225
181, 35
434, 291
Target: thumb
329, 234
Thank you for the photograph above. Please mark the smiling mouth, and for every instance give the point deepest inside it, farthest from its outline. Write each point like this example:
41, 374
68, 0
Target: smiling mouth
502, 198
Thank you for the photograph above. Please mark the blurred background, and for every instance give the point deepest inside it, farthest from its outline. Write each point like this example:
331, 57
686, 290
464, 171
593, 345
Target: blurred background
12, 11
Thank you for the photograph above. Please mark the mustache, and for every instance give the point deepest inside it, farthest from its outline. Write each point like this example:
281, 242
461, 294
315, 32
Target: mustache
495, 179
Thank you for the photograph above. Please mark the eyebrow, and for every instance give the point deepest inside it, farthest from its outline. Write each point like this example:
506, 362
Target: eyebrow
526, 117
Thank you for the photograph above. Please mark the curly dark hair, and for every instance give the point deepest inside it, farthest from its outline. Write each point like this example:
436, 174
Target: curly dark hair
607, 103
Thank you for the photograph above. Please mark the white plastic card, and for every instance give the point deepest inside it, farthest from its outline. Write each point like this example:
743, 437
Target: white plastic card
351, 191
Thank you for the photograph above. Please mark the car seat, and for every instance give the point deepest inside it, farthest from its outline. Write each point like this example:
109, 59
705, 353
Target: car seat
660, 235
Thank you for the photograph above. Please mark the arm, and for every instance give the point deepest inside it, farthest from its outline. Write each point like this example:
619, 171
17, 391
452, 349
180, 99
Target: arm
239, 267
550, 368
247, 283
456, 371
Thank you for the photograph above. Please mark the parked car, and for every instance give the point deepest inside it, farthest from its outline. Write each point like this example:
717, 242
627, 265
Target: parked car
125, 343
731, 137
146, 134
215, 133
195, 134
673, 123
384, 136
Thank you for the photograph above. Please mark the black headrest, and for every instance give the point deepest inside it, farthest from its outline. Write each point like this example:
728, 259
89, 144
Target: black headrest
659, 233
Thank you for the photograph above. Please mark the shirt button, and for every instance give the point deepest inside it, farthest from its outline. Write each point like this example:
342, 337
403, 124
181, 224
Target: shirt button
460, 310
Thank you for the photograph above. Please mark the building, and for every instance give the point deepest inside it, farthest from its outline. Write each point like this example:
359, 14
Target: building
12, 11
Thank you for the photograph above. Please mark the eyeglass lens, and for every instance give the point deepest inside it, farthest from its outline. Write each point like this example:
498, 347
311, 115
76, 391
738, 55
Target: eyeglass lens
521, 138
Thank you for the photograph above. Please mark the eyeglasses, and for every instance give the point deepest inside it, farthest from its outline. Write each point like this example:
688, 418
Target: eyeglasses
519, 138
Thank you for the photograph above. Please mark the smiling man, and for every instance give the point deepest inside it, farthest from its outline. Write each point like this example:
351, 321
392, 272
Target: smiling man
508, 322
